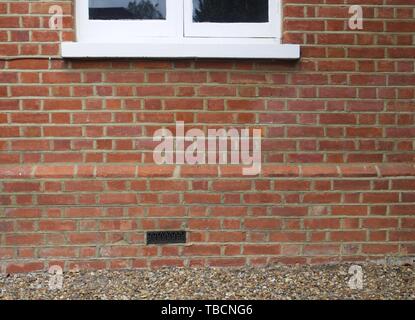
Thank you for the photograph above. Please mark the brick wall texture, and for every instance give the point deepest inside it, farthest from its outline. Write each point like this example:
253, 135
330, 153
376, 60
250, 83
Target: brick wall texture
78, 186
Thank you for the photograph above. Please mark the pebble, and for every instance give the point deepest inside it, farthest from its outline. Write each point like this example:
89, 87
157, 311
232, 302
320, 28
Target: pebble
276, 282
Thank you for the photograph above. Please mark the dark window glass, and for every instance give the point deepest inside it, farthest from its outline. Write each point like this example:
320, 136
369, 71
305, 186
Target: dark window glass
230, 11
127, 9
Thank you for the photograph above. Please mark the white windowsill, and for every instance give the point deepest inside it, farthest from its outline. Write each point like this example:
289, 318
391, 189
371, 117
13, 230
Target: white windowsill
262, 49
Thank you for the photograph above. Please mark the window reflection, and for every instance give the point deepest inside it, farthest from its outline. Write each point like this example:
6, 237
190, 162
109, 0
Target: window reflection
127, 9
231, 11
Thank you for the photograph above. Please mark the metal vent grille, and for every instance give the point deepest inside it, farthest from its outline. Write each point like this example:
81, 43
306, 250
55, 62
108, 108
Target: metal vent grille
166, 237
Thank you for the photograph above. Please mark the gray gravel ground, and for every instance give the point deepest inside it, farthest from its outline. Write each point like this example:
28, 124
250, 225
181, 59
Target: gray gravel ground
279, 282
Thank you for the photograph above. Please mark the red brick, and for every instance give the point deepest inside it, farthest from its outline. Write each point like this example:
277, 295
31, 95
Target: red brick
116, 171
24, 267
379, 223
259, 198
28, 64
231, 262
262, 249
21, 186
231, 185
61, 77
323, 249
380, 248
21, 239
280, 171
118, 198
226, 237
55, 199
156, 171
202, 250
380, 197
262, 223
348, 236
86, 238
192, 198
58, 225
61, 252
198, 171
396, 170
54, 171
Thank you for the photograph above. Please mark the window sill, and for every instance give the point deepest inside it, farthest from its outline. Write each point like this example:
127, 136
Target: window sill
258, 49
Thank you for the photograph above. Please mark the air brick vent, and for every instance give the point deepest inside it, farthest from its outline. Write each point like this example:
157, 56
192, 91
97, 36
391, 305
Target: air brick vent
166, 237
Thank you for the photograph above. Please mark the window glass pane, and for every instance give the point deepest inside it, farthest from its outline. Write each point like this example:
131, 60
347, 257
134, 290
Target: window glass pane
127, 9
230, 11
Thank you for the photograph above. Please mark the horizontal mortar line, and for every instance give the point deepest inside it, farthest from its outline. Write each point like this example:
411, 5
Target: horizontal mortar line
202, 243
326, 31
104, 193
345, 19
287, 110
244, 231
317, 17
190, 244
267, 85
223, 125
149, 139
187, 218
288, 73
230, 206
36, 29
182, 179
189, 192
136, 60
140, 163
242, 204
106, 70
210, 85
301, 4
257, 86
172, 123
206, 83
266, 98
150, 164
309, 178
324, 19
182, 258
36, 57
104, 245
379, 33
137, 122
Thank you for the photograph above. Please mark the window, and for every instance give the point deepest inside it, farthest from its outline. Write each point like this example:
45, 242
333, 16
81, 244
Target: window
179, 28
126, 20
232, 18
112, 10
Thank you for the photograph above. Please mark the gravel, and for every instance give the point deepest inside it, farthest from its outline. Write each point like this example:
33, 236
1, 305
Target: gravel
279, 282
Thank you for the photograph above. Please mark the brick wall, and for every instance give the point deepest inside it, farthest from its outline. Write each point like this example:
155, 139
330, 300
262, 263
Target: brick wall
77, 182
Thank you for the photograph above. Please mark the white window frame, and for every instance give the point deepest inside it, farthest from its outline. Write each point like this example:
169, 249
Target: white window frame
124, 31
271, 29
178, 36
